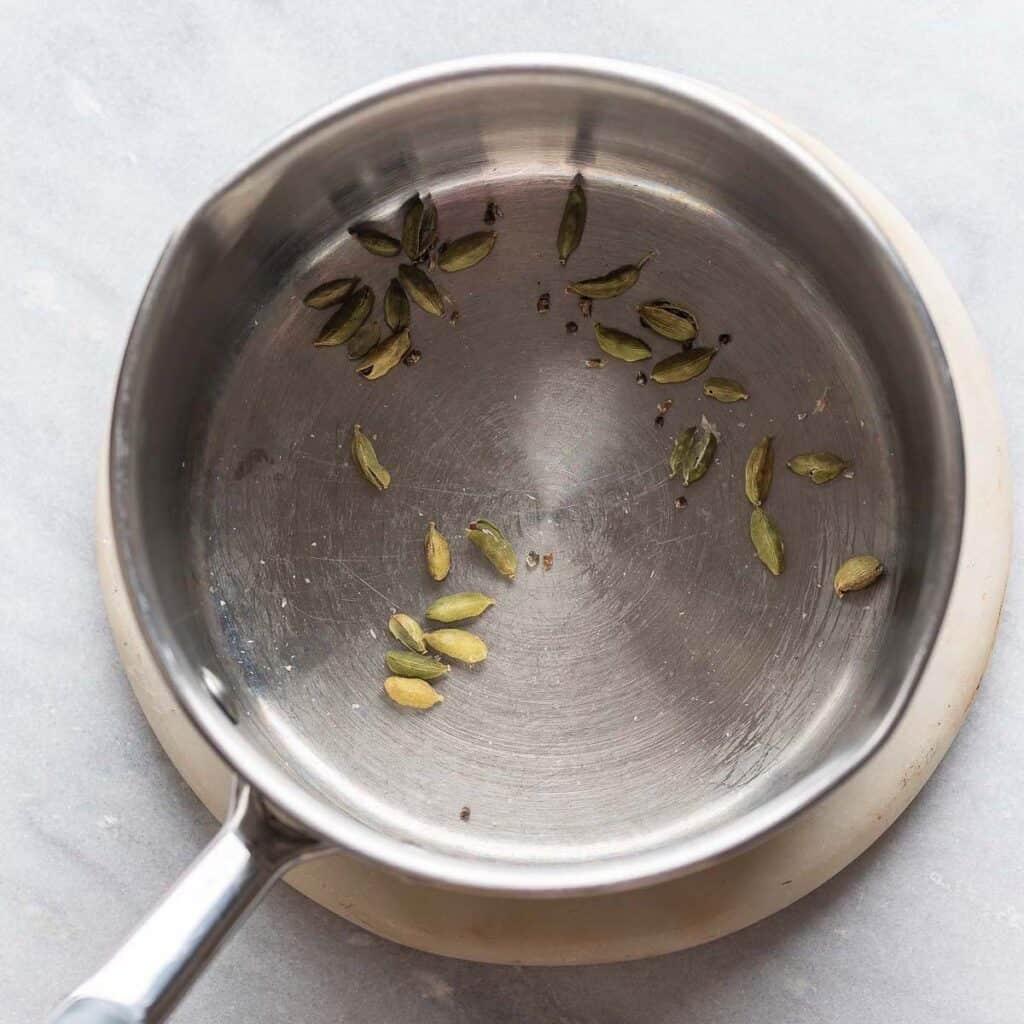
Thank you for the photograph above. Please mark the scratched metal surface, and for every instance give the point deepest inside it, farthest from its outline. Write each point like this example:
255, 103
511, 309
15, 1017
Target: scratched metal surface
657, 679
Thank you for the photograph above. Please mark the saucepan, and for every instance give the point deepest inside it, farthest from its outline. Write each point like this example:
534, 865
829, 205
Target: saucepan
654, 699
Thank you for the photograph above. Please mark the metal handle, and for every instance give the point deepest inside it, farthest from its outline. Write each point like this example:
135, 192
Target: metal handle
143, 981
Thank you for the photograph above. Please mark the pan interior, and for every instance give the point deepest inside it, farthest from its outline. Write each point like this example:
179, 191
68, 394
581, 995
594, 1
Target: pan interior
657, 683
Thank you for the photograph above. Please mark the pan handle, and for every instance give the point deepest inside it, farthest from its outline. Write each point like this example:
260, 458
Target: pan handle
143, 981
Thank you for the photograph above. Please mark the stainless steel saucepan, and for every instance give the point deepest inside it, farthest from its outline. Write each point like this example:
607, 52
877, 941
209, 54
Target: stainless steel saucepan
656, 701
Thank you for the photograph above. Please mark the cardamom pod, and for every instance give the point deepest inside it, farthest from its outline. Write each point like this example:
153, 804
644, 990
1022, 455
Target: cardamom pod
396, 306
819, 466
459, 644
419, 228
857, 573
421, 289
365, 458
693, 453
384, 356
455, 607
411, 693
466, 252
724, 389
364, 339
683, 366
574, 219
621, 345
376, 241
347, 319
407, 631
607, 286
416, 666
439, 556
669, 320
757, 476
767, 541
496, 549
323, 296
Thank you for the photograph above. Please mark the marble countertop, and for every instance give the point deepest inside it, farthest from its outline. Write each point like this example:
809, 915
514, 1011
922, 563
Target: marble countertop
117, 119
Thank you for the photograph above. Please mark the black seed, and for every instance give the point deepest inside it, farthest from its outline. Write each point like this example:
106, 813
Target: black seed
544, 302
724, 339
659, 421
571, 327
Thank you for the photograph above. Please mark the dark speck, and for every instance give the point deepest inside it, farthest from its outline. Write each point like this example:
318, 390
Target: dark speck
571, 327
464, 814
681, 502
724, 339
544, 302
659, 420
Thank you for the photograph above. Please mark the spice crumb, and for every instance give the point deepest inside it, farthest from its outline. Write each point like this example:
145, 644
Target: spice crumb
492, 213
544, 302
663, 407
548, 560
464, 814
724, 339
532, 560
586, 305
412, 357
641, 378
681, 502
594, 364
571, 327
659, 421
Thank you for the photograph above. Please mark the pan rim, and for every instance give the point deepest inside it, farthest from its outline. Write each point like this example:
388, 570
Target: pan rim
620, 872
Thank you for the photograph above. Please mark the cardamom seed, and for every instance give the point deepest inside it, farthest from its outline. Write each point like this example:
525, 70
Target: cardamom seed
364, 339
376, 241
407, 631
384, 356
466, 252
574, 219
621, 345
439, 556
421, 289
416, 666
767, 541
419, 227
412, 357
396, 306
683, 366
607, 286
724, 389
411, 693
693, 453
456, 607
857, 573
496, 549
819, 466
323, 296
365, 458
757, 476
347, 319
459, 644
669, 320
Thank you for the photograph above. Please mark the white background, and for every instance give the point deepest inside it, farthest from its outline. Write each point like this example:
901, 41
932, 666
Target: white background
115, 120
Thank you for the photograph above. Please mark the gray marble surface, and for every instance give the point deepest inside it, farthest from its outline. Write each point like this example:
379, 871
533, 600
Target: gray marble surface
116, 118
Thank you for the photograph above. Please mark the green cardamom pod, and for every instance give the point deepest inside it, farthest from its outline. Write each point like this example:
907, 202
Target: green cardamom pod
767, 541
574, 219
466, 252
857, 573
411, 693
683, 366
376, 241
416, 666
458, 644
364, 339
365, 458
757, 476
329, 294
724, 389
819, 466
349, 317
496, 549
607, 286
669, 320
693, 453
384, 356
621, 345
408, 632
419, 228
456, 607
396, 306
439, 556
421, 289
